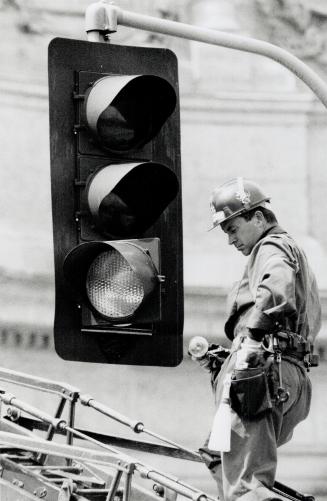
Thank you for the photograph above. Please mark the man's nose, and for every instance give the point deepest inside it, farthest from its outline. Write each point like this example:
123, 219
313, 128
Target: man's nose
231, 239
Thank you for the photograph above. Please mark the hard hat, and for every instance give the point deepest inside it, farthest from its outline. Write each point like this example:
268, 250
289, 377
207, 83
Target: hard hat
234, 198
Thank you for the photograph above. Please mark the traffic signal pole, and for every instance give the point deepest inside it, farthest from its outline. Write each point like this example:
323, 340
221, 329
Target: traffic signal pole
102, 19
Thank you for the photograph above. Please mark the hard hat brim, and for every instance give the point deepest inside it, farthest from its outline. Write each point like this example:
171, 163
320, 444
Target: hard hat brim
261, 203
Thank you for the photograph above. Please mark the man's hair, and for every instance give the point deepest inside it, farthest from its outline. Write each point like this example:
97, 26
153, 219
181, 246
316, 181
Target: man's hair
267, 213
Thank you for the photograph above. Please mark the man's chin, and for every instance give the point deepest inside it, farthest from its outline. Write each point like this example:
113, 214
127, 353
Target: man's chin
243, 250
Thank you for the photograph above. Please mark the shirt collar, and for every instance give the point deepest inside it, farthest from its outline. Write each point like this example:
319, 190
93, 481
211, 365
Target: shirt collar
273, 230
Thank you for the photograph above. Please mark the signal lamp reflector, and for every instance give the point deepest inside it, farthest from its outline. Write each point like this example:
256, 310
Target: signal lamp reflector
112, 286
125, 112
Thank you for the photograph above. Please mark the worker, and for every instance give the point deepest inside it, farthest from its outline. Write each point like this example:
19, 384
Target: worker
273, 317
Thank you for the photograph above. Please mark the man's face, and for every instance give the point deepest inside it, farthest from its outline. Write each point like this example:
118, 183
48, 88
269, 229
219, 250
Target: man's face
243, 234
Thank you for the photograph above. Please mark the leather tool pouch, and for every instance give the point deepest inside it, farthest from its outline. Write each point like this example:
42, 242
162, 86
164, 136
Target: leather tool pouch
249, 392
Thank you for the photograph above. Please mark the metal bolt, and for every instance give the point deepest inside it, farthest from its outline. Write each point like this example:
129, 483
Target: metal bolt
18, 483
40, 492
159, 490
13, 414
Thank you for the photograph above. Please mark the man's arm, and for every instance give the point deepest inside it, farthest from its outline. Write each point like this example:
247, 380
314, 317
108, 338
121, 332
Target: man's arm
272, 275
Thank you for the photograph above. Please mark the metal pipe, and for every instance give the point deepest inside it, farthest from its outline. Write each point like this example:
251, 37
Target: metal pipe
170, 483
71, 420
37, 383
51, 430
115, 16
56, 449
149, 472
9, 399
132, 423
127, 485
114, 486
135, 425
79, 434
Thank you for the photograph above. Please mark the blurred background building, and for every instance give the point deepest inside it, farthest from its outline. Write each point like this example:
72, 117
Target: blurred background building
241, 115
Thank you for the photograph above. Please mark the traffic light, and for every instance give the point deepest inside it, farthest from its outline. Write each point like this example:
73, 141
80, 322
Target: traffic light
116, 203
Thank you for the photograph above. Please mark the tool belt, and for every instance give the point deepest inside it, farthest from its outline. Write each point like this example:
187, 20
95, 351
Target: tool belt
296, 346
256, 388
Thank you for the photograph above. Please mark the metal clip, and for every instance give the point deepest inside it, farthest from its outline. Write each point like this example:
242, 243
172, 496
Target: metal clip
66, 491
282, 394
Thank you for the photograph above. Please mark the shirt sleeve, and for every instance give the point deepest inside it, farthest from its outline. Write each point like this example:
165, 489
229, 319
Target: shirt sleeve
272, 276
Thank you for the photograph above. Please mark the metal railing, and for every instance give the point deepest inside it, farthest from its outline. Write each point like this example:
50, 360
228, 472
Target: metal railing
17, 433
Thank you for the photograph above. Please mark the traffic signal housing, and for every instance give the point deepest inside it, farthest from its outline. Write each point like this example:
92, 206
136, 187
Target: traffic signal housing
116, 203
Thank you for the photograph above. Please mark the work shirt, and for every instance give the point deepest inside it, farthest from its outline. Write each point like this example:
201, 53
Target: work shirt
278, 290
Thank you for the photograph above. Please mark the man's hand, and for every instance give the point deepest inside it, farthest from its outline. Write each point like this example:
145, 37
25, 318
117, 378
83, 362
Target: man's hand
210, 357
249, 354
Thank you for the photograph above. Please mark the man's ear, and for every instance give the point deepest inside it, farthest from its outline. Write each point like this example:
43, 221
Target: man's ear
259, 218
